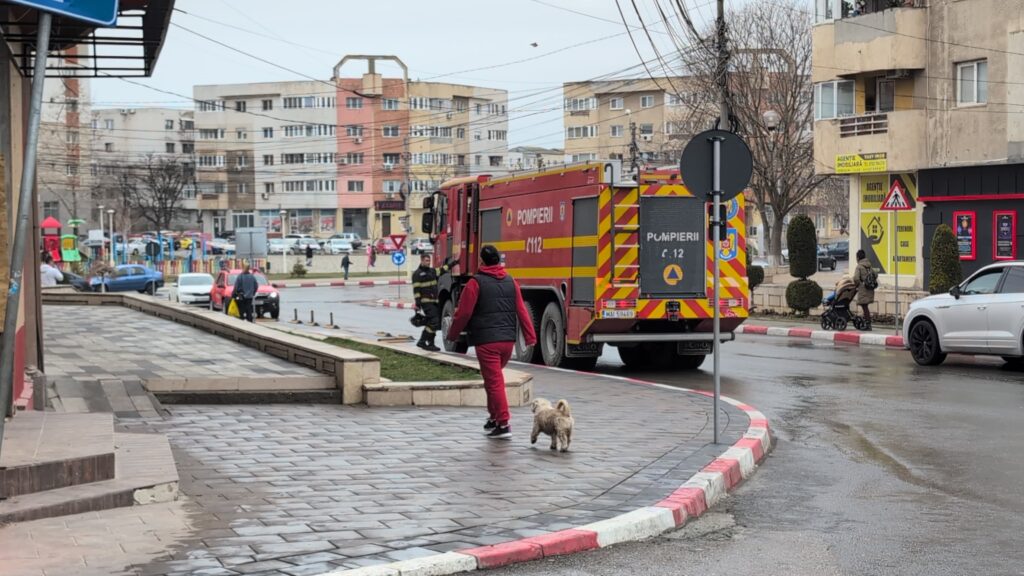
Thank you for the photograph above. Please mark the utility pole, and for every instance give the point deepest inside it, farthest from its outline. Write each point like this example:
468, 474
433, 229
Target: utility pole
722, 69
634, 152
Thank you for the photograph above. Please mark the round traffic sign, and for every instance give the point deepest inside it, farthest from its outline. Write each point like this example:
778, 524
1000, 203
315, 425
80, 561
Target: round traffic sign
697, 164
398, 258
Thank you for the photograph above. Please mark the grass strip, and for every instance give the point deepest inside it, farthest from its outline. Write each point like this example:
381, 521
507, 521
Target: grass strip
402, 367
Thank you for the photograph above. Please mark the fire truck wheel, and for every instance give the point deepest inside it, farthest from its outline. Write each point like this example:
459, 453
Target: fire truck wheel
552, 335
689, 362
447, 313
634, 357
583, 364
524, 353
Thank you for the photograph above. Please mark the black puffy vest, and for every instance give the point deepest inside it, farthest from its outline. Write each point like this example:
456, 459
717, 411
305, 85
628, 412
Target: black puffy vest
494, 318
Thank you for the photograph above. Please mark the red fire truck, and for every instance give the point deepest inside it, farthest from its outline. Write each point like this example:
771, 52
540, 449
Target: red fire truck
599, 261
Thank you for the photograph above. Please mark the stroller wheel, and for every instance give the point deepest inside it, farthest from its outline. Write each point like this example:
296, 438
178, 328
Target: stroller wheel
859, 323
826, 323
840, 324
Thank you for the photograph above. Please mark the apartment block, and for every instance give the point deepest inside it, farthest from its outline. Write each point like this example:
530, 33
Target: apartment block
398, 140
533, 158
598, 115
263, 148
918, 101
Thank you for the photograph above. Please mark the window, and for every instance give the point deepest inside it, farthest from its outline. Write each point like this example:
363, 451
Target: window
354, 158
71, 170
108, 124
211, 105
972, 82
72, 137
833, 99
392, 186
108, 147
984, 283
617, 131
268, 132
1014, 281
268, 187
495, 160
268, 159
389, 104
646, 129
353, 102
94, 123
391, 131
477, 159
241, 134
392, 158
72, 104
188, 148
242, 161
168, 124
460, 133
243, 188
879, 94
355, 185
211, 133
617, 103
240, 106
584, 157
354, 130
169, 147
211, 161
580, 104
574, 132
497, 134
267, 104
94, 170
51, 210
647, 101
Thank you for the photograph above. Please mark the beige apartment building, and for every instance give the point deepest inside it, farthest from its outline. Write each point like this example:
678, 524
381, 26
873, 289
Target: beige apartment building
533, 158
598, 115
64, 153
919, 102
263, 149
398, 140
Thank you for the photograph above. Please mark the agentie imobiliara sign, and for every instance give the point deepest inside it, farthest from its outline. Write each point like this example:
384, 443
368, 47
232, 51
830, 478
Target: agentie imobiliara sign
862, 163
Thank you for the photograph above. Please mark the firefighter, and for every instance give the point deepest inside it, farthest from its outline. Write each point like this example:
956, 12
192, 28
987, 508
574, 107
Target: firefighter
424, 290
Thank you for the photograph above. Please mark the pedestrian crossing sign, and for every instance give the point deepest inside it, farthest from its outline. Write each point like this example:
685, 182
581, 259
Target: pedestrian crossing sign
896, 200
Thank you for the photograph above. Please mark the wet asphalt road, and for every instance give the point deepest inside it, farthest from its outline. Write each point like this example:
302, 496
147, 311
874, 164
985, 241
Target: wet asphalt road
880, 466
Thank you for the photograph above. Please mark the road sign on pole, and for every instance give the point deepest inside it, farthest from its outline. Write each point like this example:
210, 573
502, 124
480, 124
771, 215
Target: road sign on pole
102, 12
398, 258
896, 201
398, 239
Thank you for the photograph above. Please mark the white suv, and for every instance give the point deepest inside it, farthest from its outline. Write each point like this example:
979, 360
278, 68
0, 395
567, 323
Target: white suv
352, 237
982, 315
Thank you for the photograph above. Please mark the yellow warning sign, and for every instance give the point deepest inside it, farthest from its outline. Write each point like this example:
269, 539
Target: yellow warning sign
672, 274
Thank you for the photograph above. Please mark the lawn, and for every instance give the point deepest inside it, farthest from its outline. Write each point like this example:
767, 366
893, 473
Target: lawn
333, 275
401, 367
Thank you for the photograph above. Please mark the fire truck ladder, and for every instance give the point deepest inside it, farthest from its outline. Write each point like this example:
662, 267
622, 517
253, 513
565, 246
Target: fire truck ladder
625, 238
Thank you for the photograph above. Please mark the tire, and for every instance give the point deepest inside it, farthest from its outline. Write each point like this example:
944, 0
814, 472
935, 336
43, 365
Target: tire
524, 353
826, 323
586, 364
1016, 362
924, 344
552, 336
275, 313
151, 288
688, 362
833, 267
447, 313
860, 323
840, 324
634, 357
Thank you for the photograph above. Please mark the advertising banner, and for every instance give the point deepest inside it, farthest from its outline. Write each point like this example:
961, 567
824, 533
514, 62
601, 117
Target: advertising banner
886, 234
965, 227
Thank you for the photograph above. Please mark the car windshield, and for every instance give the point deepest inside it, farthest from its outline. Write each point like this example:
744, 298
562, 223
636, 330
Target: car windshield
195, 280
260, 279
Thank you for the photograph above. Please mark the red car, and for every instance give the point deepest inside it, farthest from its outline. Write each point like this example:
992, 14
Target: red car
268, 301
384, 246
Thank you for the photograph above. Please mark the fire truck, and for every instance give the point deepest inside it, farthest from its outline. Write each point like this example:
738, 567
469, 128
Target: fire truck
599, 260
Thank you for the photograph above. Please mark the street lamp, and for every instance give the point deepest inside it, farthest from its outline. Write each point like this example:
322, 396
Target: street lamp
772, 120
110, 211
284, 245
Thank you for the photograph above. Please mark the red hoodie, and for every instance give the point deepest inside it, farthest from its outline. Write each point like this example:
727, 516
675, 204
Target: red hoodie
467, 303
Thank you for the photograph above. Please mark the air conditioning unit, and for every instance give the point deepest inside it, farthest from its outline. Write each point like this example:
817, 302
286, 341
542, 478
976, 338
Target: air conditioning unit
647, 137
389, 167
342, 160
389, 195
897, 74
131, 110
449, 115
124, 111
264, 195
358, 140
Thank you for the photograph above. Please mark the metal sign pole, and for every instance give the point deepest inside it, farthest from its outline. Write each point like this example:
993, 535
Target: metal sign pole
22, 228
896, 266
716, 193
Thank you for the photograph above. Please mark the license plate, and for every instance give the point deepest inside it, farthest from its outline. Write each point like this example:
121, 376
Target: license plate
693, 347
618, 313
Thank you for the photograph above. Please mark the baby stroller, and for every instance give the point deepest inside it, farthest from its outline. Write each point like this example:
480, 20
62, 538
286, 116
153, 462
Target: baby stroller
837, 308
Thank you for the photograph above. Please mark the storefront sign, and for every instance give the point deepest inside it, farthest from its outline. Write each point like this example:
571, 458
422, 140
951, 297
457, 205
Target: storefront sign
861, 163
1004, 236
879, 223
965, 227
389, 205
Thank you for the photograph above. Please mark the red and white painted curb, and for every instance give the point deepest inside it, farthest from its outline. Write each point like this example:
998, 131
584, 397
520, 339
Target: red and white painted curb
336, 283
858, 338
393, 304
702, 491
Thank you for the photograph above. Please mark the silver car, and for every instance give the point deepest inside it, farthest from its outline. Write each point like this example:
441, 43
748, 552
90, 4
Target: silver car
193, 288
984, 314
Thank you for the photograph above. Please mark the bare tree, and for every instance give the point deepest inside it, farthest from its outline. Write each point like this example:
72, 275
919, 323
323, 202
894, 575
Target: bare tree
833, 196
155, 189
769, 71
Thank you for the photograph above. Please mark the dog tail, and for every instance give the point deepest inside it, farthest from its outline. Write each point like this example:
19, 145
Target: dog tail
563, 407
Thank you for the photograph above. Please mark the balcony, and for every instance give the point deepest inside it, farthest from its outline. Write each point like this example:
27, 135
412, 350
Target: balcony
887, 39
902, 135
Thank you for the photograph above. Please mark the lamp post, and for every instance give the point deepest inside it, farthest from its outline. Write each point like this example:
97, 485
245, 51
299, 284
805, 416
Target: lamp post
284, 248
772, 119
110, 211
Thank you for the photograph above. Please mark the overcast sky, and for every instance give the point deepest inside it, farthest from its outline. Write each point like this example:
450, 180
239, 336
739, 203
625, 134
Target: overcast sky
479, 42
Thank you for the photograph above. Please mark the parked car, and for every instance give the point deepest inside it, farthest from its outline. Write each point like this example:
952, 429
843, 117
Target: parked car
352, 237
421, 246
267, 298
338, 246
193, 288
839, 250
280, 246
221, 246
77, 282
984, 314
128, 277
825, 260
302, 243
384, 246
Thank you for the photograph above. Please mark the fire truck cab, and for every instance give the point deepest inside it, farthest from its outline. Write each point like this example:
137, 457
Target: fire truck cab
600, 260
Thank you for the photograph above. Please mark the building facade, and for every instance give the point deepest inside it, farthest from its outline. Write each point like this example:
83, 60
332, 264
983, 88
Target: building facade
398, 140
533, 158
923, 124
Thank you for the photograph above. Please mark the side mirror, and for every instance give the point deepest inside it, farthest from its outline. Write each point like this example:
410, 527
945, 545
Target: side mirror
427, 227
428, 203
955, 292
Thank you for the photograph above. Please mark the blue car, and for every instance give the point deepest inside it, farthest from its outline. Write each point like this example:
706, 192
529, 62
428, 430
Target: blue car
130, 277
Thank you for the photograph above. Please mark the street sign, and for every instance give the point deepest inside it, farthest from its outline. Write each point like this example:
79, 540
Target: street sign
102, 12
697, 161
398, 239
896, 200
398, 257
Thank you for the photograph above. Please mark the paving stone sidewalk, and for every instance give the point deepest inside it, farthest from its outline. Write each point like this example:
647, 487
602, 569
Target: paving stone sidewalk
293, 489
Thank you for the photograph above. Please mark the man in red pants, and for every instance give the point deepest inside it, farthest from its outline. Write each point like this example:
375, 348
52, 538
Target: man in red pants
489, 306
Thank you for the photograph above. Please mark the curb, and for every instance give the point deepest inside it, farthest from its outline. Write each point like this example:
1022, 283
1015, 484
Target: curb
337, 283
393, 304
847, 337
702, 491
